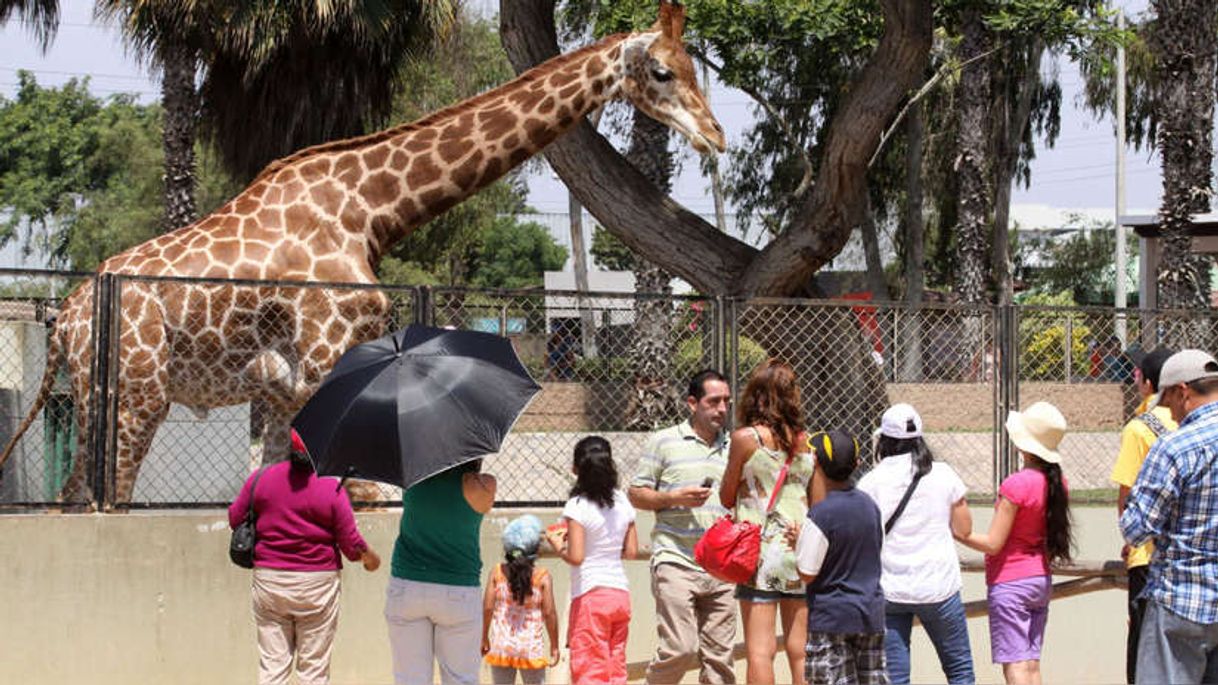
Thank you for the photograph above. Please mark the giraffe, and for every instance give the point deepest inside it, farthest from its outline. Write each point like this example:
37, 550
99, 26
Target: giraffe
328, 213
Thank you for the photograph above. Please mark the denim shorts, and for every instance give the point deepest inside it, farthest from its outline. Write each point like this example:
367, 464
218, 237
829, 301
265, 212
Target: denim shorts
752, 594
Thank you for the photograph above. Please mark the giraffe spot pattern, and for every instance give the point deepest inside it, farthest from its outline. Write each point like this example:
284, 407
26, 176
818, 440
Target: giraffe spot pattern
423, 171
538, 131
452, 150
327, 196
493, 170
312, 171
380, 189
375, 158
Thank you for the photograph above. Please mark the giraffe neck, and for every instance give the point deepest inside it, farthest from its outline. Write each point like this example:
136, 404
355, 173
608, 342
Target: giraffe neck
414, 173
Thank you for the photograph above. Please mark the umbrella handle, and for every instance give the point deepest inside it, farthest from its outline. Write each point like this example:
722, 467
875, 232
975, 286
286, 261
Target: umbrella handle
346, 474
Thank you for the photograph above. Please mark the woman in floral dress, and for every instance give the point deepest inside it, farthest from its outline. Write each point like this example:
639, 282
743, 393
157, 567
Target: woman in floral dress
768, 454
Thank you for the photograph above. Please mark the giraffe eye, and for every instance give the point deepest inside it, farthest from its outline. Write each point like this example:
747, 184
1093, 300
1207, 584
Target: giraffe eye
661, 74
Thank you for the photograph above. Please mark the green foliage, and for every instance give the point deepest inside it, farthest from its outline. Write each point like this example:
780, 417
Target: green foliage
82, 175
49, 142
1082, 265
395, 271
691, 359
279, 76
1098, 68
1042, 337
515, 255
609, 253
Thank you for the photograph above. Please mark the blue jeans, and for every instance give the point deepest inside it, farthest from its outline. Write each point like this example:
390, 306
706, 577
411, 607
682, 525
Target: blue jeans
947, 628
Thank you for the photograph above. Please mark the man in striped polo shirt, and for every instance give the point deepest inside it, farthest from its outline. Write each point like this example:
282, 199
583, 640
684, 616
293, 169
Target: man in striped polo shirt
678, 477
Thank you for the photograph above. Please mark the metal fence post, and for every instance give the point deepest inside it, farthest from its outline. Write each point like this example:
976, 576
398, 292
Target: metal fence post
1006, 382
102, 390
733, 337
423, 314
1069, 343
720, 338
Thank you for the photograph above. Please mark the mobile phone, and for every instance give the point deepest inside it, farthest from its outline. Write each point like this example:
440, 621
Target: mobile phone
708, 482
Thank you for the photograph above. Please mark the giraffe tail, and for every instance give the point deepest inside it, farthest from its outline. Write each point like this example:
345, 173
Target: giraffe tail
55, 357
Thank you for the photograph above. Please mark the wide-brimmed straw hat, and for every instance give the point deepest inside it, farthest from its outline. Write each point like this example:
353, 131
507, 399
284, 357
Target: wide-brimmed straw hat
1038, 430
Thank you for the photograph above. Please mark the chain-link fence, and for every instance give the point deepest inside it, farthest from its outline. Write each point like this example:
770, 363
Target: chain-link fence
854, 359
196, 378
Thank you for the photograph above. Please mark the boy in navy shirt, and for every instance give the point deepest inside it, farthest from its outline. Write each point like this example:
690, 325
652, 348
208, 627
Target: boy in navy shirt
838, 556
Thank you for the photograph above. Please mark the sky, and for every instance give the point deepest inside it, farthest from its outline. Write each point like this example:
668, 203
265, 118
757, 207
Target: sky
1078, 174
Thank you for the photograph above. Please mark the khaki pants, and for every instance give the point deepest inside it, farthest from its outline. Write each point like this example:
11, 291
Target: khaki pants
297, 614
696, 625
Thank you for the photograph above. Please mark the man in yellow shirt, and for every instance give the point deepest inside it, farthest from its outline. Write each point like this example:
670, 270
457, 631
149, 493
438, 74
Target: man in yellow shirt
1150, 421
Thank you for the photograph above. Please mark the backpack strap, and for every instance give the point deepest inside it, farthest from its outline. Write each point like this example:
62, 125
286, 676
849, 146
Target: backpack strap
1153, 423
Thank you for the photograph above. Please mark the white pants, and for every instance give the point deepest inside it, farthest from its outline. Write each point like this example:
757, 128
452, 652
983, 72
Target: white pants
430, 621
297, 615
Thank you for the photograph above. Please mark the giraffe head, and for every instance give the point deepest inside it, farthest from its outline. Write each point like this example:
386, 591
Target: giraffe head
661, 81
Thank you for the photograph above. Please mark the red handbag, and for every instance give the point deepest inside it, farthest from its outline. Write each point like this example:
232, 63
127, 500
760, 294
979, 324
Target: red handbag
730, 550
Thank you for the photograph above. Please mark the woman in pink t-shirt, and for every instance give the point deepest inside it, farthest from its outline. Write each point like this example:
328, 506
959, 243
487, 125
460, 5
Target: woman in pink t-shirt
1030, 530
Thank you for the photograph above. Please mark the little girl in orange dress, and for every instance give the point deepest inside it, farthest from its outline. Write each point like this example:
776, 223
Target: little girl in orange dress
517, 606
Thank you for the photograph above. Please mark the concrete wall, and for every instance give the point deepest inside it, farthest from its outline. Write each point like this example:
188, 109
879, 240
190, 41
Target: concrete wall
152, 597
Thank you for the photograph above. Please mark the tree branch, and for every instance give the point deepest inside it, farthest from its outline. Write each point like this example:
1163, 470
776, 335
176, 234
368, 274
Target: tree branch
838, 199
612, 190
922, 92
804, 158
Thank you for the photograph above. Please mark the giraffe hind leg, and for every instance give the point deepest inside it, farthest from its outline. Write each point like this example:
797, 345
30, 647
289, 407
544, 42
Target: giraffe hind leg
136, 428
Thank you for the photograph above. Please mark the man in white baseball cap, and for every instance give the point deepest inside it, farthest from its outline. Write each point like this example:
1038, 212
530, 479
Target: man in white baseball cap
1174, 502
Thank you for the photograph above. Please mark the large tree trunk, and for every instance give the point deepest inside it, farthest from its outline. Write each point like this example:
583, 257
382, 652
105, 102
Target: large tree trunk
713, 262
654, 402
180, 101
1184, 42
1015, 110
973, 164
914, 225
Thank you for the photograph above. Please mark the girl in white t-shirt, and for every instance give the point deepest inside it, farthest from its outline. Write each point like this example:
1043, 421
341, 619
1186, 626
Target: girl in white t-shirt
920, 568
599, 534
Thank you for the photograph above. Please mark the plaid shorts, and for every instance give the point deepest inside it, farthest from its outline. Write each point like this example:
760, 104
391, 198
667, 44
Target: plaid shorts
845, 659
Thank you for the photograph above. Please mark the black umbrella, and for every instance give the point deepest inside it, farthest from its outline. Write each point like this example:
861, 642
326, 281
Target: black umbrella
409, 405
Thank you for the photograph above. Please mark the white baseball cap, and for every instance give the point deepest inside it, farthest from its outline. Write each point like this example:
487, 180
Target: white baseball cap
901, 421
1187, 366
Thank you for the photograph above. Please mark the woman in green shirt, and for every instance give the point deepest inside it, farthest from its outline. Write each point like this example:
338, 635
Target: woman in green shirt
434, 601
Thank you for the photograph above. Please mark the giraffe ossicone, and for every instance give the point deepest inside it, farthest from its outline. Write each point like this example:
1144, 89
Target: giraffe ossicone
328, 214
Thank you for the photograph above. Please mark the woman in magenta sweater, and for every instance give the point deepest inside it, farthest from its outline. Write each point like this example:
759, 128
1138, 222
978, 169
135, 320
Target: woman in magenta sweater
303, 523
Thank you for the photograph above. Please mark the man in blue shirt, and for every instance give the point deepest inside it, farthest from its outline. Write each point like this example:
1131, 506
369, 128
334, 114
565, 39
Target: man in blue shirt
1174, 503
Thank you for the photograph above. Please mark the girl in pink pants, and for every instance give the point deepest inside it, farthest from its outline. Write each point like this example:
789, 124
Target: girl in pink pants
599, 534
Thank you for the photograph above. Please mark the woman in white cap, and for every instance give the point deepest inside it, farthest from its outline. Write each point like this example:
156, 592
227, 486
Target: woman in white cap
923, 507
1031, 529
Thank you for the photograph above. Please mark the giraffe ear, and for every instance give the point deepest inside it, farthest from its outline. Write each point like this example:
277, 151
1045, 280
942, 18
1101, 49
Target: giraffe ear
671, 23
676, 25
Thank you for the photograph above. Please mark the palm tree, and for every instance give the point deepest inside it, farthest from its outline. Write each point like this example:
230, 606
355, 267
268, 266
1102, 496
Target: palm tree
654, 401
1183, 42
286, 75
42, 16
275, 76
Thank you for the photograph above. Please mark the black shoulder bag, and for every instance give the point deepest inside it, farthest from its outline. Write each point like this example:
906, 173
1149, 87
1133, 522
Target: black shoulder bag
241, 546
904, 500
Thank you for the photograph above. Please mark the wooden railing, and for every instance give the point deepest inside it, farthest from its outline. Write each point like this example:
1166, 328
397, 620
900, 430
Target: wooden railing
1085, 577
